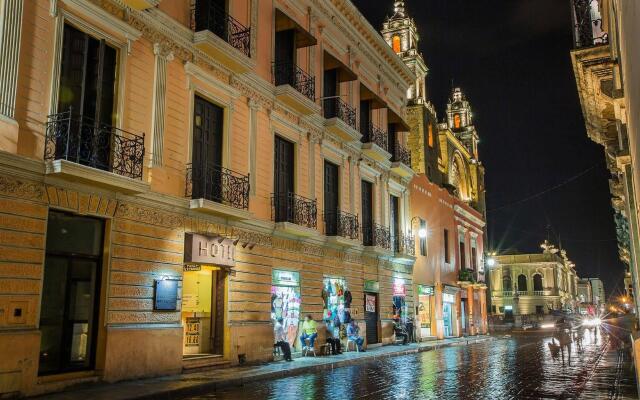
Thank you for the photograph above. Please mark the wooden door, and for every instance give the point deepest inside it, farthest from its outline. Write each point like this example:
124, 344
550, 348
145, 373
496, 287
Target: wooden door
367, 212
395, 222
283, 179
285, 58
207, 150
331, 197
330, 90
365, 120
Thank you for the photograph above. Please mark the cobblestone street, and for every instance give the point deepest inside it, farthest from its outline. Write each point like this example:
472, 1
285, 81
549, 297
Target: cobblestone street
516, 367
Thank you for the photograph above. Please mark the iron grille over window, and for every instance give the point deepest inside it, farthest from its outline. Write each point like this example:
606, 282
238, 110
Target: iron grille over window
211, 17
289, 207
218, 184
337, 108
373, 134
340, 223
287, 73
83, 140
376, 235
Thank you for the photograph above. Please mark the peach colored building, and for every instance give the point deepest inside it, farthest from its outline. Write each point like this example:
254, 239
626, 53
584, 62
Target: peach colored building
176, 174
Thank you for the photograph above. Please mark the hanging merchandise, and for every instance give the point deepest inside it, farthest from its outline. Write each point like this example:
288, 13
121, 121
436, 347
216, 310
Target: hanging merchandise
335, 302
285, 301
347, 299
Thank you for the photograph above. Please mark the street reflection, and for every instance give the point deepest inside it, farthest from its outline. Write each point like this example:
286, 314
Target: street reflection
587, 363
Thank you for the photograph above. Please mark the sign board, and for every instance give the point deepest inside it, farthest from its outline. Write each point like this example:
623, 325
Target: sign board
370, 303
192, 267
425, 290
399, 288
200, 249
448, 298
371, 286
165, 295
285, 278
192, 332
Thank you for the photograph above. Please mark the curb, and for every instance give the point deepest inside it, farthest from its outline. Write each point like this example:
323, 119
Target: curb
207, 387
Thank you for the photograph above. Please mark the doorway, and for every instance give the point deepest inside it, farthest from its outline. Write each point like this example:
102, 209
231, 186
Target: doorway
203, 310
207, 151
70, 293
371, 317
463, 316
447, 319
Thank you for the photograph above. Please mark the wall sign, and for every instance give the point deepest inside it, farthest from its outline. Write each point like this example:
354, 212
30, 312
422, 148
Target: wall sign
448, 298
200, 249
425, 290
399, 288
371, 286
285, 278
192, 267
370, 303
165, 295
192, 332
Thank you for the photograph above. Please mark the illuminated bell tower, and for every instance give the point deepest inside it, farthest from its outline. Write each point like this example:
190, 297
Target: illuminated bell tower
460, 121
401, 34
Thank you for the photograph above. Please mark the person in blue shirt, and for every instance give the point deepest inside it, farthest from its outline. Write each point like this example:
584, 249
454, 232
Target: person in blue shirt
353, 334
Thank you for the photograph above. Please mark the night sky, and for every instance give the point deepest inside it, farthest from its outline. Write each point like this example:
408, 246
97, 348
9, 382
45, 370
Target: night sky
511, 58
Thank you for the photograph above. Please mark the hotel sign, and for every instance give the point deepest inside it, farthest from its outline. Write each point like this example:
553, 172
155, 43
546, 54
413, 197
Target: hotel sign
200, 249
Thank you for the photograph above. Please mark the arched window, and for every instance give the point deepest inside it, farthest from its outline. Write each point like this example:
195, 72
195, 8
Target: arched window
396, 44
430, 135
537, 282
522, 283
506, 283
456, 121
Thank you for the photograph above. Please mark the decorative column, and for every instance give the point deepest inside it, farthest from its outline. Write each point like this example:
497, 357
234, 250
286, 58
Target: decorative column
312, 165
254, 107
352, 184
470, 300
162, 57
438, 314
10, 34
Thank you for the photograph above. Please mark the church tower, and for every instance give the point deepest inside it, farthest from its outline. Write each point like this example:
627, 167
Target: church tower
401, 34
460, 121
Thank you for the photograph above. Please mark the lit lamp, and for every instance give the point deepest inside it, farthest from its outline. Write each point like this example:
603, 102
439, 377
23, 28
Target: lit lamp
422, 232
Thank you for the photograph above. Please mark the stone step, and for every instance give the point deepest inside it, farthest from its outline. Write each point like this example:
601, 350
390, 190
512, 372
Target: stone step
204, 362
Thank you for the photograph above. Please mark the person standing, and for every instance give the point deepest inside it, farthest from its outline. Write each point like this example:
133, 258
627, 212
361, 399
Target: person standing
353, 334
309, 331
281, 339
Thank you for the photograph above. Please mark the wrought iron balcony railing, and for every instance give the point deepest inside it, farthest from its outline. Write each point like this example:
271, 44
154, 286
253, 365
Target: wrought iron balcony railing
289, 207
218, 184
337, 108
83, 140
404, 244
376, 235
373, 134
340, 223
588, 29
401, 154
287, 73
209, 16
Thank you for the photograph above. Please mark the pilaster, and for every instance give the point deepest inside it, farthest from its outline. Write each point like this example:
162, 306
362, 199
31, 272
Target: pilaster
10, 37
162, 58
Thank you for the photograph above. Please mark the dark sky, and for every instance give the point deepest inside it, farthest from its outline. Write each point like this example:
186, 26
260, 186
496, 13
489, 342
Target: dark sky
511, 57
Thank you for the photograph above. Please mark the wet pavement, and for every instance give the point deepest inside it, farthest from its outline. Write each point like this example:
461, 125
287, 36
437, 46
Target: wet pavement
522, 366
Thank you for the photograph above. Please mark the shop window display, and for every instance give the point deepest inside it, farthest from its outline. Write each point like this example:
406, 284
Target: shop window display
285, 302
337, 303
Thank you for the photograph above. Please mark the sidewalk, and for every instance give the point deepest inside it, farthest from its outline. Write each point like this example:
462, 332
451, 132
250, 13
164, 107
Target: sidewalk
177, 386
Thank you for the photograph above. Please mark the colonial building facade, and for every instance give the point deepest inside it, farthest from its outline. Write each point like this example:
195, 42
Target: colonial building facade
525, 284
175, 175
447, 200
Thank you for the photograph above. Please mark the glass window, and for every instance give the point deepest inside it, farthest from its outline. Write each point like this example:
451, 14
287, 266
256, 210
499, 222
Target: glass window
396, 44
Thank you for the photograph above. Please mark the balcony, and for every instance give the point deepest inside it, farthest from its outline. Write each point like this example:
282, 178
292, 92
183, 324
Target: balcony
404, 247
375, 143
538, 293
294, 214
377, 237
80, 148
588, 29
341, 119
217, 190
295, 87
465, 276
222, 37
401, 161
342, 228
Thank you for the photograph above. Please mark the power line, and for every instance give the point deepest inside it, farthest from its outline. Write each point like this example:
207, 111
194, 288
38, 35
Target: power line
543, 192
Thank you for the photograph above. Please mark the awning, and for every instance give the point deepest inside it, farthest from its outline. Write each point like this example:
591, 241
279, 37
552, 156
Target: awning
345, 74
285, 23
368, 94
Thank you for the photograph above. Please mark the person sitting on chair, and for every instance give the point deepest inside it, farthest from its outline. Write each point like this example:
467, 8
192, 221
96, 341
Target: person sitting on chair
309, 331
333, 337
353, 334
281, 339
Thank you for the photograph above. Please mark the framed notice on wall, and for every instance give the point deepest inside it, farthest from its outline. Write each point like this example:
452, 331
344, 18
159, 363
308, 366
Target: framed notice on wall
370, 303
192, 332
165, 295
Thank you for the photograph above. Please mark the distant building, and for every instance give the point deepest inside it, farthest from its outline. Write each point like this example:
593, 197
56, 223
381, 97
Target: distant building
585, 295
524, 284
597, 289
